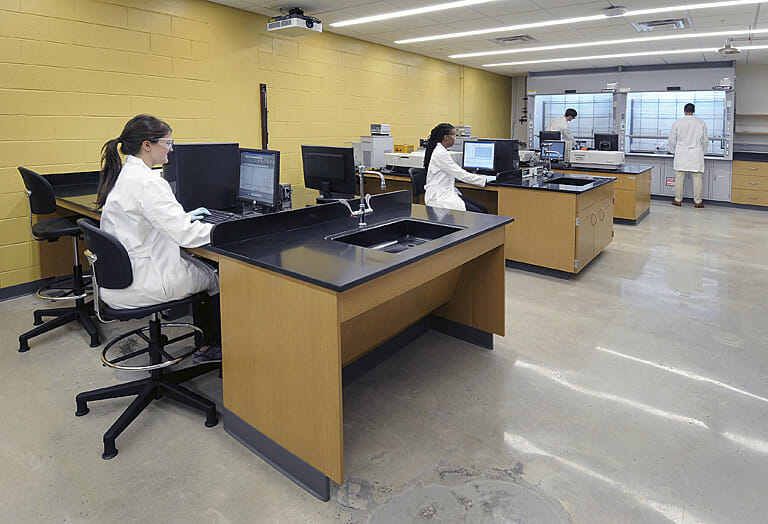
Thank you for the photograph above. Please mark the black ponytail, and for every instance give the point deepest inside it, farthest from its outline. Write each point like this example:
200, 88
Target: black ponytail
435, 137
136, 131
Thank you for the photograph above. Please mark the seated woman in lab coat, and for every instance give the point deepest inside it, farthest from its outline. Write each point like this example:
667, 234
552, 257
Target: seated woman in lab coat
140, 210
442, 172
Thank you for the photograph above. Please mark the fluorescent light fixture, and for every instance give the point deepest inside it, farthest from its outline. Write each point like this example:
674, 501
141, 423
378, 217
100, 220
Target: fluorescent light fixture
620, 55
608, 42
409, 12
547, 23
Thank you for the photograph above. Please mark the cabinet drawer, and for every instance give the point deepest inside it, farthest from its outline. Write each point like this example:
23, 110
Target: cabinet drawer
743, 167
626, 182
746, 196
753, 182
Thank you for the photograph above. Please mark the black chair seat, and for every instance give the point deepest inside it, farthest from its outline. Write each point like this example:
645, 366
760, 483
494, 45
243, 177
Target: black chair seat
55, 228
110, 313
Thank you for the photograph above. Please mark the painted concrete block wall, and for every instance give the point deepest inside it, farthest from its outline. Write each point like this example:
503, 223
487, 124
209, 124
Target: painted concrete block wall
72, 72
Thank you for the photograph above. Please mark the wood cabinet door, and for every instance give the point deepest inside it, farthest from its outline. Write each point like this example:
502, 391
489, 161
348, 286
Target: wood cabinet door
625, 204
587, 220
604, 228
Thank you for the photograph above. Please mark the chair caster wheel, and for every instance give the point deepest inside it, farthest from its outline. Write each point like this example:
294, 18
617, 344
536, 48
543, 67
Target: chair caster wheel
109, 456
82, 412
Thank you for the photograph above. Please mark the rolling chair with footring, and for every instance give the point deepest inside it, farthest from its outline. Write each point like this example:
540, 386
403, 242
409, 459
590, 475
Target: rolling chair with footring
418, 181
112, 270
42, 201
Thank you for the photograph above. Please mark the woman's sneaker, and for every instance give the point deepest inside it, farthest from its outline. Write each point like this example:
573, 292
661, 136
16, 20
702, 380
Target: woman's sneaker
210, 355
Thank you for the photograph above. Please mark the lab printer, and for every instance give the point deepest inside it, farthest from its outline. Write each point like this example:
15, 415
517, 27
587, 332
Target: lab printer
401, 162
598, 159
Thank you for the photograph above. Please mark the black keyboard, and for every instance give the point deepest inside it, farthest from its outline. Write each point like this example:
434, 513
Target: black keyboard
217, 217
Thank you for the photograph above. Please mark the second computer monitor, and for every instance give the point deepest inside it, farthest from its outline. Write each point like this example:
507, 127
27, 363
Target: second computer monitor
330, 170
260, 177
606, 141
506, 154
205, 174
479, 155
554, 150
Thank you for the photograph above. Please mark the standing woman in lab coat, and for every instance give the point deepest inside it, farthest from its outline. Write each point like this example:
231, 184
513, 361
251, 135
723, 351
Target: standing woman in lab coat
442, 172
140, 210
688, 141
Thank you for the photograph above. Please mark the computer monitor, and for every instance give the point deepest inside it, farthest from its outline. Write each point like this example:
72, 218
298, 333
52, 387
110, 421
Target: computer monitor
260, 177
205, 174
329, 169
479, 155
545, 136
606, 141
555, 150
506, 154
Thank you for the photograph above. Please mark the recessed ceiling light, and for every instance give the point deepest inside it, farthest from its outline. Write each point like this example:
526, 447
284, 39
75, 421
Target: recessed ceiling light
609, 42
409, 12
638, 12
619, 55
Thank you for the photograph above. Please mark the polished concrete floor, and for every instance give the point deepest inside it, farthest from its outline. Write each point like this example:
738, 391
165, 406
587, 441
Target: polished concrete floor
635, 392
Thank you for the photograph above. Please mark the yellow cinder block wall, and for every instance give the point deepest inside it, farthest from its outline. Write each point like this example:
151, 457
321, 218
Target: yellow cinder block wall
72, 72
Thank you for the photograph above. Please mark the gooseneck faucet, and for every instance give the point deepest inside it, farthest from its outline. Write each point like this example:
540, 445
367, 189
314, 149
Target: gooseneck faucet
365, 200
545, 149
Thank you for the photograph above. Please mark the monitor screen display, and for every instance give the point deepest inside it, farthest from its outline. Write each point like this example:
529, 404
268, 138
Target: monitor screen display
607, 141
553, 150
259, 176
479, 155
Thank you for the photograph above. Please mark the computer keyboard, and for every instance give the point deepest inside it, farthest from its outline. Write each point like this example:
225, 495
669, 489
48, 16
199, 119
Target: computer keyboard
217, 217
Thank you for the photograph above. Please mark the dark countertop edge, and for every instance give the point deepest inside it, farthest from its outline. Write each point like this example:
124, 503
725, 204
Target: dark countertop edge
750, 156
577, 190
363, 280
623, 170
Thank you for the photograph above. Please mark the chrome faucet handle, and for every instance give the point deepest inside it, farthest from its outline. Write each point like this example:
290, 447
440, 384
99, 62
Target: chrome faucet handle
346, 204
368, 209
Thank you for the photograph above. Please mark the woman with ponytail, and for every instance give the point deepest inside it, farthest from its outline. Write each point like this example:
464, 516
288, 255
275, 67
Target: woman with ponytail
442, 172
140, 210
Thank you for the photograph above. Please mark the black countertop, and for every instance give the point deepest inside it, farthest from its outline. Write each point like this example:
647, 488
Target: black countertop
750, 156
294, 242
542, 184
624, 169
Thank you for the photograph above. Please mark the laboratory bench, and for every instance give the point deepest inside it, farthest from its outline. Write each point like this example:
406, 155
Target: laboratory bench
557, 226
632, 191
303, 301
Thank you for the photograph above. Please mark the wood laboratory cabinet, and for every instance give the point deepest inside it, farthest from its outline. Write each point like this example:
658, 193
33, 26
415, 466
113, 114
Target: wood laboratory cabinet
557, 229
632, 192
749, 183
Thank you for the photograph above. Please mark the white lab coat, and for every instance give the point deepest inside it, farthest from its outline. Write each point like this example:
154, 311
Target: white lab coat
688, 141
561, 124
146, 218
440, 189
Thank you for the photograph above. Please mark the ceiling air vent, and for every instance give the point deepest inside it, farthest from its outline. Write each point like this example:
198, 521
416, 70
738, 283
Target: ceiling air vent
507, 41
662, 25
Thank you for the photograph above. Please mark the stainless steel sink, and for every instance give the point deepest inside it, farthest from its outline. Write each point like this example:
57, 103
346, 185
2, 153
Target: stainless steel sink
397, 236
566, 181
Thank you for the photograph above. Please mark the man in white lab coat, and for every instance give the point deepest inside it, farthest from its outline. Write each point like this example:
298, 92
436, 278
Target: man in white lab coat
688, 141
561, 124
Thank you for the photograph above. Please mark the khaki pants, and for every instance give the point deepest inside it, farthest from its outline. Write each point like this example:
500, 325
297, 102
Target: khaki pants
680, 179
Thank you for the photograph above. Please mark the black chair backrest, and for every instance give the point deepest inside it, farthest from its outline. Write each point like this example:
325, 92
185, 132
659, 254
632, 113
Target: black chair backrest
418, 180
113, 268
42, 200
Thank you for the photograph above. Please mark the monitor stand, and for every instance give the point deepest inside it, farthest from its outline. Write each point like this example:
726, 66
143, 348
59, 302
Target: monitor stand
327, 196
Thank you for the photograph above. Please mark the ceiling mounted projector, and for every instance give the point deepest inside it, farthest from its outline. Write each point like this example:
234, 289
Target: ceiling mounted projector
295, 23
728, 49
614, 10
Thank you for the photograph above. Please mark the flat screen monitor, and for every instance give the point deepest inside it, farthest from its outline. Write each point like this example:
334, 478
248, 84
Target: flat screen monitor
506, 154
205, 174
260, 177
606, 141
479, 155
554, 150
545, 136
330, 170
